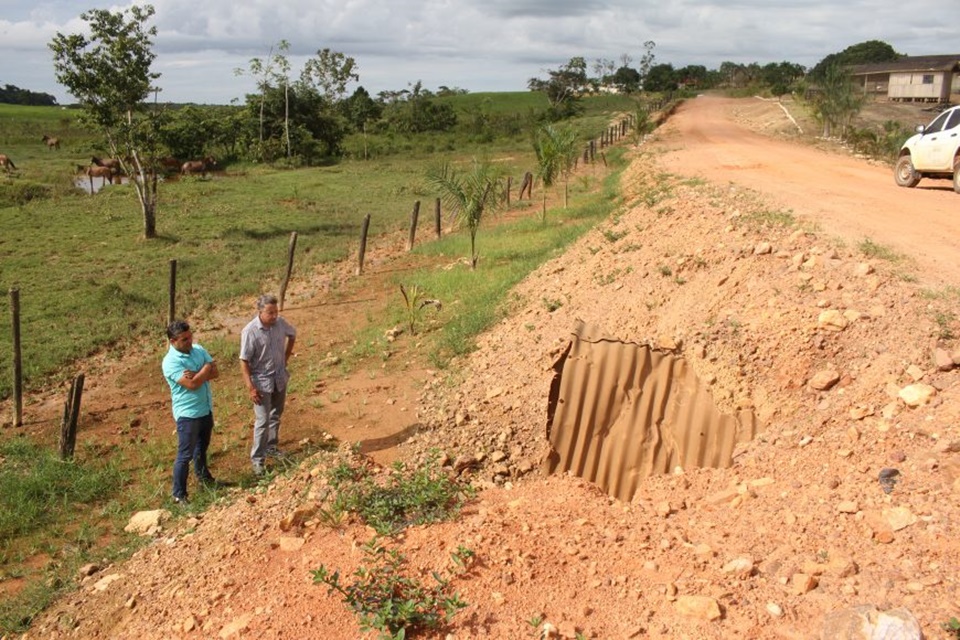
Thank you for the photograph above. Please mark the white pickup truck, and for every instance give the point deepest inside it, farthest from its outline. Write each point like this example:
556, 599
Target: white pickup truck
933, 152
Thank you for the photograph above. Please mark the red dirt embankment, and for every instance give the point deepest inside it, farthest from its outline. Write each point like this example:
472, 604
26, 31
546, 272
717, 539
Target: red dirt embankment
836, 352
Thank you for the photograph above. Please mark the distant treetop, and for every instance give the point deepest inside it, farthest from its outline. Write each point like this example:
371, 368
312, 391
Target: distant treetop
10, 94
862, 53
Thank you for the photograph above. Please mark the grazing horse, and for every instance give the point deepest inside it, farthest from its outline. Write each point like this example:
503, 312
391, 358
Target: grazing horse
52, 143
170, 164
110, 163
6, 162
198, 166
97, 171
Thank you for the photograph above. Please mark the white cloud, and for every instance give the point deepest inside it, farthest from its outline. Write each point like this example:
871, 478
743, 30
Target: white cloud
473, 44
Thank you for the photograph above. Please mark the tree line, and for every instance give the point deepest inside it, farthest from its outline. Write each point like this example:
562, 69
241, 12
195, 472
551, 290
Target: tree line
302, 117
10, 94
826, 87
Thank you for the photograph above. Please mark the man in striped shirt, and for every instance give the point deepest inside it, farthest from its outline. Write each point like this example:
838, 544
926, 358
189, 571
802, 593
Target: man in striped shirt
266, 344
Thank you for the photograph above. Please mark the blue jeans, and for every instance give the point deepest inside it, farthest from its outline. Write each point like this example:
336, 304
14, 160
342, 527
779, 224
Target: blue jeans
266, 426
193, 440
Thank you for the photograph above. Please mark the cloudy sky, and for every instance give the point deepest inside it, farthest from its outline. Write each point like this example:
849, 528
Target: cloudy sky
479, 45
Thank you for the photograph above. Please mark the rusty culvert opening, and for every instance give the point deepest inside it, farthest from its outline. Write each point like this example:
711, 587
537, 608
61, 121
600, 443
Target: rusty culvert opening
619, 412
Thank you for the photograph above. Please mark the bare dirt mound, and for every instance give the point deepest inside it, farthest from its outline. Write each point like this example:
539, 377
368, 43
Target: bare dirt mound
845, 358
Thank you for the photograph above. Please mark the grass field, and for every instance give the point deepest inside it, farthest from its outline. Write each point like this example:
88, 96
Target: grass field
86, 280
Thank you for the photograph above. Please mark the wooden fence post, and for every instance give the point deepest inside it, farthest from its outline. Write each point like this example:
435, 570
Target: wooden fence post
436, 218
172, 308
413, 225
363, 243
71, 415
286, 279
17, 359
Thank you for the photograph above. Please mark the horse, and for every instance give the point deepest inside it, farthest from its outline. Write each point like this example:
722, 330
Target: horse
52, 143
198, 166
170, 164
97, 171
7, 163
110, 163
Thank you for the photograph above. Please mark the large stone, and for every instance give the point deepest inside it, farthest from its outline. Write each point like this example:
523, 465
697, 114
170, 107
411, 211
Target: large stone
823, 380
866, 622
917, 395
943, 360
899, 518
147, 523
701, 607
297, 517
235, 626
832, 320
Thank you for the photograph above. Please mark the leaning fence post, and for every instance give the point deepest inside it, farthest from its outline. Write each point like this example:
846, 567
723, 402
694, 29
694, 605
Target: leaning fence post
71, 415
17, 359
172, 308
413, 225
436, 218
290, 250
363, 243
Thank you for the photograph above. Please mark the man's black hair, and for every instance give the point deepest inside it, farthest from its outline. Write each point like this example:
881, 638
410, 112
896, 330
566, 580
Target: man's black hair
177, 327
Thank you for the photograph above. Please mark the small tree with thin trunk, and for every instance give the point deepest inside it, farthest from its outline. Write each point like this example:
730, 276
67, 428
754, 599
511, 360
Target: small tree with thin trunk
556, 150
109, 74
468, 195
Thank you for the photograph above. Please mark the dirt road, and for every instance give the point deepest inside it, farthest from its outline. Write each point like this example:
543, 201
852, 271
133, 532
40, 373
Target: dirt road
843, 195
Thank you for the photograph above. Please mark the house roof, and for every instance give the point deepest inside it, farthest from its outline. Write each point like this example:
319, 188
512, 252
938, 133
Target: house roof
910, 63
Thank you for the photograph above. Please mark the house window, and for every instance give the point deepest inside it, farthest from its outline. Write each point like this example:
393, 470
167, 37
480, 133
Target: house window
928, 78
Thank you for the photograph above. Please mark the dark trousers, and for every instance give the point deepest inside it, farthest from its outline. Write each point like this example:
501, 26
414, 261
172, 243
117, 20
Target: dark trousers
193, 440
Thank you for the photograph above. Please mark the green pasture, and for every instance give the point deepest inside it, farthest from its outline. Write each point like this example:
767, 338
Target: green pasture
87, 280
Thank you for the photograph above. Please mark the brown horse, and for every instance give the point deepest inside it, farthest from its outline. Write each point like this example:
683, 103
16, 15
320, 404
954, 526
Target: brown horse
110, 163
52, 143
169, 164
192, 167
96, 171
6, 162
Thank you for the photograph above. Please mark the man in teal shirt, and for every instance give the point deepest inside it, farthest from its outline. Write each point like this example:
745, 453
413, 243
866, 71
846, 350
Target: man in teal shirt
188, 369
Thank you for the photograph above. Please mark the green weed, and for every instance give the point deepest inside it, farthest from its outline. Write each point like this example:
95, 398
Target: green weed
552, 304
406, 496
612, 236
871, 249
767, 218
952, 627
415, 301
390, 602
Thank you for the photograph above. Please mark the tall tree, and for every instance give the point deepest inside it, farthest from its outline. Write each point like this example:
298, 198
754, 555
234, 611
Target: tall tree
860, 53
781, 76
661, 77
269, 73
109, 74
646, 61
564, 87
330, 72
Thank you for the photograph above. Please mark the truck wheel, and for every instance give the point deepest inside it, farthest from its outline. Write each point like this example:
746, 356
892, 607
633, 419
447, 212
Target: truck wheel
904, 173
956, 175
